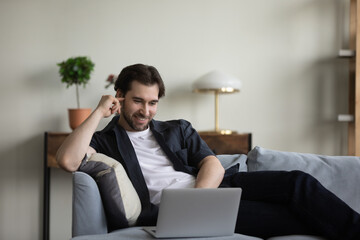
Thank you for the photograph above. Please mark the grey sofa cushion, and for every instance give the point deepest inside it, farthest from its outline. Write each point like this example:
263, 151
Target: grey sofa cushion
337, 173
88, 216
134, 233
229, 160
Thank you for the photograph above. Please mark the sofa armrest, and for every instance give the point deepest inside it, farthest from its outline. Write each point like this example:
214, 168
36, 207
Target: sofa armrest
88, 215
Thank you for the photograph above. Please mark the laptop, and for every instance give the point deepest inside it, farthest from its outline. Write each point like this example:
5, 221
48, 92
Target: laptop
194, 212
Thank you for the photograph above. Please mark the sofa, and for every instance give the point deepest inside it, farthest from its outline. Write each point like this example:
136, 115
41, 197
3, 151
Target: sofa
340, 174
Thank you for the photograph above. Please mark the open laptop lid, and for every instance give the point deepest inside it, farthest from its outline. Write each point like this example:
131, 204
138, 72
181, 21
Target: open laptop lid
194, 212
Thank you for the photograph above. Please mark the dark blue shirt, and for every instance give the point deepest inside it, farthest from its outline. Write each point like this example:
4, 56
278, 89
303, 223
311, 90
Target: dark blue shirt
177, 138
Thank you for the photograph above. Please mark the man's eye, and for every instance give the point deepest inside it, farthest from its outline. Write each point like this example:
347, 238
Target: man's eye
153, 103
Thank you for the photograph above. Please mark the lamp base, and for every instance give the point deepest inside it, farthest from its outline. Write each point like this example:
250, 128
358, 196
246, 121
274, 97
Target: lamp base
221, 132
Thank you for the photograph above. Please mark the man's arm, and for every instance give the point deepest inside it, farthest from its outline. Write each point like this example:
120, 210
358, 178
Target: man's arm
76, 145
211, 173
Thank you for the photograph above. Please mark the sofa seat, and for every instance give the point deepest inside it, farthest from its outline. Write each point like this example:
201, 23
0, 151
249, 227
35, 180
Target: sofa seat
135, 233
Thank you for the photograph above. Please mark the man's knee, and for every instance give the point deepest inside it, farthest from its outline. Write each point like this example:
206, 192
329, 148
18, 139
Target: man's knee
303, 181
298, 175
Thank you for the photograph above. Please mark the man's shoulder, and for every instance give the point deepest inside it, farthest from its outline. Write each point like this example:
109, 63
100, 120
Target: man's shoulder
162, 125
109, 128
111, 125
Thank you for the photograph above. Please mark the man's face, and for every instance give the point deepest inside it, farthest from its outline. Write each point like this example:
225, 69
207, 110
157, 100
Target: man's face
139, 106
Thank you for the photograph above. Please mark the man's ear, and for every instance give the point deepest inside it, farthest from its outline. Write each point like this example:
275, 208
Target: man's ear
119, 94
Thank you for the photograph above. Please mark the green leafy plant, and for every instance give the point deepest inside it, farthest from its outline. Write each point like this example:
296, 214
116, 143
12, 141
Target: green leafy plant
76, 71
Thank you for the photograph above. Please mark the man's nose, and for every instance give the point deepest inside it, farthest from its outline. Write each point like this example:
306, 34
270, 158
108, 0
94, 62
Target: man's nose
145, 109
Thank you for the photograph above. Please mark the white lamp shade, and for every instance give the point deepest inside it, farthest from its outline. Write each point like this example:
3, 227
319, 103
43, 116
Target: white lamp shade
217, 81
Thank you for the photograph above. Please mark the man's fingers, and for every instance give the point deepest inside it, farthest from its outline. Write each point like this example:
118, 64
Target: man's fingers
118, 110
116, 107
109, 105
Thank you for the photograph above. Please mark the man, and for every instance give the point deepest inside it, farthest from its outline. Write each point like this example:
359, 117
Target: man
159, 155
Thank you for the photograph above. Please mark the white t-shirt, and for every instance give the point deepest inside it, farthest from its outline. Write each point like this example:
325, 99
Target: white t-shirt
156, 167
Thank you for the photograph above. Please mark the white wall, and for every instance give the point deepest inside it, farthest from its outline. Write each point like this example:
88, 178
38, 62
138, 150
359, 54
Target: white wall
284, 51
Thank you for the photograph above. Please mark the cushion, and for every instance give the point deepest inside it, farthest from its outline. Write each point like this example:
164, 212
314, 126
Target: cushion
229, 160
121, 203
339, 174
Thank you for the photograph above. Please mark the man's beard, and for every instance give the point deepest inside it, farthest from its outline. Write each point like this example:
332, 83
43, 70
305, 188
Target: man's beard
131, 123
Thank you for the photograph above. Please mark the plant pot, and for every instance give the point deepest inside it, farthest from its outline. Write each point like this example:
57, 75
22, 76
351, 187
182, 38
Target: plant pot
77, 116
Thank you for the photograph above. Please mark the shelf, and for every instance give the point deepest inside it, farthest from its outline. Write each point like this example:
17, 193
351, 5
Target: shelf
346, 53
346, 118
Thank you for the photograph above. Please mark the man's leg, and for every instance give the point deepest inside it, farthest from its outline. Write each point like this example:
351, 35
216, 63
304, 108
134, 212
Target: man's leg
265, 220
303, 197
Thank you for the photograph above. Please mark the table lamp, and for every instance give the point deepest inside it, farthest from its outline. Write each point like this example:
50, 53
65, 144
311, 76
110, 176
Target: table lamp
217, 82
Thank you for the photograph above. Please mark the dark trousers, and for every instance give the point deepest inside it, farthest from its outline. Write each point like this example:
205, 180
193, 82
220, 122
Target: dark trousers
276, 203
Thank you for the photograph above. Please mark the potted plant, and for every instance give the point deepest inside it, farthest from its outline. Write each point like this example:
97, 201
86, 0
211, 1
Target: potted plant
76, 71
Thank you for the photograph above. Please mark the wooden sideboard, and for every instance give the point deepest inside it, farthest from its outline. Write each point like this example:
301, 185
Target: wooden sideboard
228, 144
53, 141
220, 144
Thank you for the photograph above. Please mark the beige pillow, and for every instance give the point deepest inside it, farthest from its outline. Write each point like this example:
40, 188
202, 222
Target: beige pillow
116, 190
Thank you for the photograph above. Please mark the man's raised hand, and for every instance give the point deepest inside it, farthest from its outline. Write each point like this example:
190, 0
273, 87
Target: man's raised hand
109, 105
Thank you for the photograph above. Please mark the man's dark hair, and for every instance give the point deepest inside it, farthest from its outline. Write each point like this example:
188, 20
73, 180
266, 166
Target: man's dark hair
144, 74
